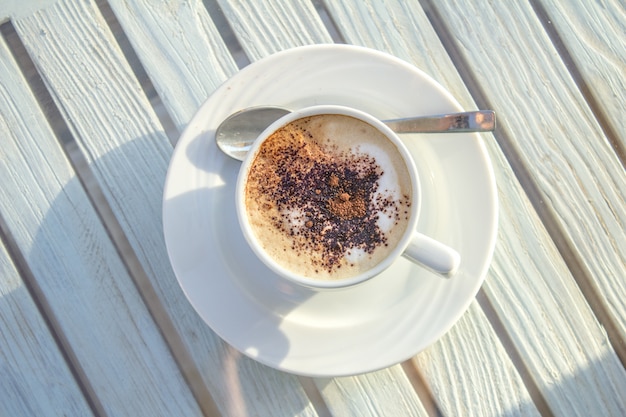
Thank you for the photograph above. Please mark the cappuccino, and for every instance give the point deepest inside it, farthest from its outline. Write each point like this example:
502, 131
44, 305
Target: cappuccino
328, 196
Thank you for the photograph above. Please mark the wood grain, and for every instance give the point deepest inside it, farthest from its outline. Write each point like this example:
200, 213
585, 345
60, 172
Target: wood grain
382, 393
180, 48
496, 386
92, 302
590, 36
265, 27
567, 156
570, 156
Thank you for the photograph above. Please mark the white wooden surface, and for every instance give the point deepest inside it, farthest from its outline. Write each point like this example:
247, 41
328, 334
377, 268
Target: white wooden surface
88, 299
29, 349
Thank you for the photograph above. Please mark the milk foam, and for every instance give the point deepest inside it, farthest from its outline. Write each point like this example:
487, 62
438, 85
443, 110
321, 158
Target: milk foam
356, 255
295, 217
388, 184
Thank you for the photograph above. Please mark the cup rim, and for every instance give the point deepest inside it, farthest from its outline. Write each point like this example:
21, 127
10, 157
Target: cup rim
322, 283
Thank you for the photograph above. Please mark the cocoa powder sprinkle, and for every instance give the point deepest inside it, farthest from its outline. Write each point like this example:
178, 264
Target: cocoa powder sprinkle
346, 209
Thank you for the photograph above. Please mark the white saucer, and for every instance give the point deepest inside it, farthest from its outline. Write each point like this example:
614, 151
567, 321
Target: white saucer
341, 332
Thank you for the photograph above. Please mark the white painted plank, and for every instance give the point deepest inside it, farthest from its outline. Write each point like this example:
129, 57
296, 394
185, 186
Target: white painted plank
594, 34
490, 386
264, 27
16, 8
180, 48
129, 154
564, 149
558, 139
403, 30
387, 392
541, 307
92, 299
523, 243
566, 352
36, 380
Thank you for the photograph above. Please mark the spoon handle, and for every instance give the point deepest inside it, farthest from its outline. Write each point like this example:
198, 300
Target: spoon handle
472, 121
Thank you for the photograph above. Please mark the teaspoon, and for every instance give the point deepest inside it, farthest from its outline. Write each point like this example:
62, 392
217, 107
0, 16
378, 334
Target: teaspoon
236, 133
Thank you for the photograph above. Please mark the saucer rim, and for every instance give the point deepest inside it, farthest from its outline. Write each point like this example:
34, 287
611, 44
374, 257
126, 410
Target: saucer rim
197, 123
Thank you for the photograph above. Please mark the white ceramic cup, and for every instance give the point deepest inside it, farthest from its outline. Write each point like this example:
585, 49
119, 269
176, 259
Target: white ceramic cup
413, 245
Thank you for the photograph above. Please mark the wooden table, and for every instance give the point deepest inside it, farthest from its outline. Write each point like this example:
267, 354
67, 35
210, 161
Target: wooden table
93, 96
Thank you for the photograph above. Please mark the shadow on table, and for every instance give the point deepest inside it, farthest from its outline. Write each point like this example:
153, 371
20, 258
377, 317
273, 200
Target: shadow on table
101, 286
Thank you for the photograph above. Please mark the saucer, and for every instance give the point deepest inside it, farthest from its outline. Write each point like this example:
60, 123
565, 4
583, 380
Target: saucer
348, 331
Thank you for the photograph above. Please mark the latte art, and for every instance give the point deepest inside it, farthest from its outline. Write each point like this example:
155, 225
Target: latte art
328, 196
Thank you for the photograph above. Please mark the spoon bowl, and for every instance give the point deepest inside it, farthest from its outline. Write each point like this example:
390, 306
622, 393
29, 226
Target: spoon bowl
238, 131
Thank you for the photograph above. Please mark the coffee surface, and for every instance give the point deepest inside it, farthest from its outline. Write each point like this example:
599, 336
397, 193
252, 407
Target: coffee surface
328, 196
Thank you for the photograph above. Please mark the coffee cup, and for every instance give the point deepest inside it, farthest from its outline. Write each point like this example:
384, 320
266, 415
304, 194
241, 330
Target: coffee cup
329, 196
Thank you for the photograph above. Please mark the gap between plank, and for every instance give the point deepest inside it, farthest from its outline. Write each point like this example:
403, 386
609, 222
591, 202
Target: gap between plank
115, 232
581, 274
315, 396
169, 127
509, 346
576, 74
227, 33
421, 388
47, 314
328, 21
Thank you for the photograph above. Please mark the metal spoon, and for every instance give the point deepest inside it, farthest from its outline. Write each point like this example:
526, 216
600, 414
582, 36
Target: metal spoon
237, 132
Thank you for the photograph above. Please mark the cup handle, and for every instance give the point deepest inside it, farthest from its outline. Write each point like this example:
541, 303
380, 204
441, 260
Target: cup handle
433, 255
